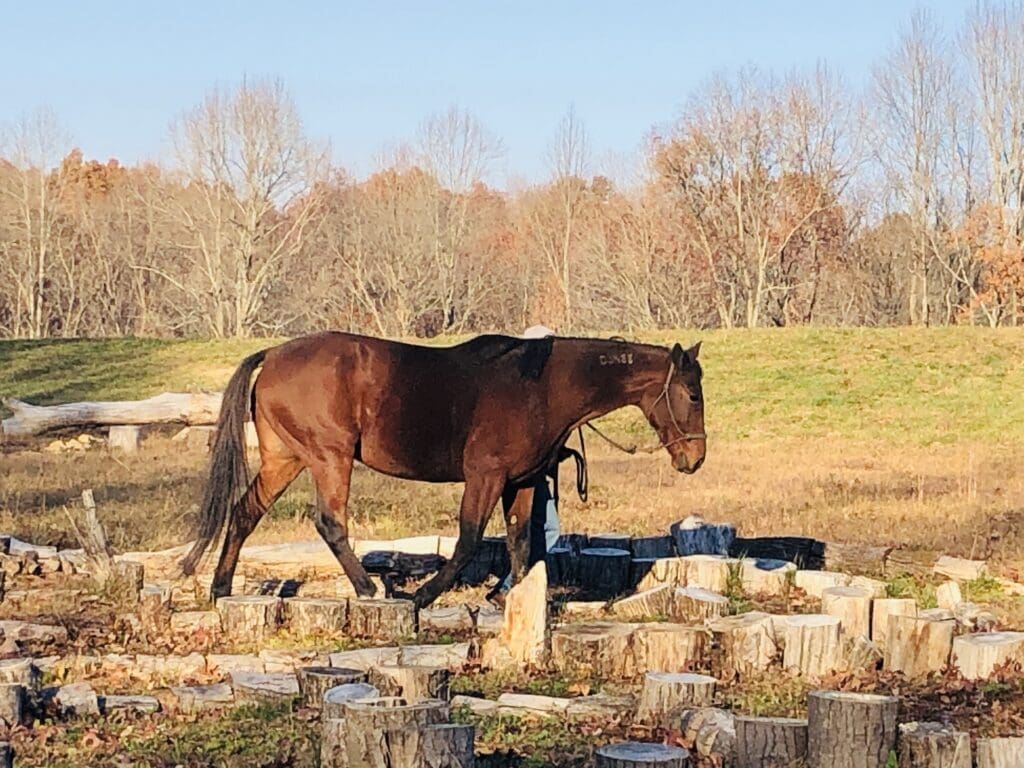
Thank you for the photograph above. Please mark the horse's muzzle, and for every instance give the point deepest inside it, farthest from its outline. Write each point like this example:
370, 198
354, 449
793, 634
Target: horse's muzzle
683, 465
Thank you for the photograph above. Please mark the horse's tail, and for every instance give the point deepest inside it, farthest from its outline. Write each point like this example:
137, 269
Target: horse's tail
229, 471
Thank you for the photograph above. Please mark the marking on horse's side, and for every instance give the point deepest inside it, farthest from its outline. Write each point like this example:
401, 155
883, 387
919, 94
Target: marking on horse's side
621, 358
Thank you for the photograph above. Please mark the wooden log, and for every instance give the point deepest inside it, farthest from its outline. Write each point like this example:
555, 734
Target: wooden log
652, 547
126, 581
712, 732
246, 618
336, 698
412, 683
852, 606
314, 682
770, 742
762, 576
637, 754
918, 645
577, 542
816, 582
311, 616
561, 565
604, 572
381, 619
124, 438
21, 671
1001, 753
639, 568
959, 569
711, 572
663, 647
978, 655
455, 619
850, 730
596, 649
666, 694
948, 595
445, 745
914, 562
649, 604
609, 541
664, 571
746, 642
860, 653
167, 408
90, 534
274, 688
933, 745
882, 610
155, 608
12, 704
856, 558
812, 646
524, 629
706, 539
333, 751
693, 604
369, 721
805, 552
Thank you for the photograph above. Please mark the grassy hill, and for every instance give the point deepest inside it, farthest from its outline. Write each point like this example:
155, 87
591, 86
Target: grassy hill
924, 386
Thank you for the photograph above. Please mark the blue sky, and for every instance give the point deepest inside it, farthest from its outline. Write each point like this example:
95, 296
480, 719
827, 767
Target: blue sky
366, 74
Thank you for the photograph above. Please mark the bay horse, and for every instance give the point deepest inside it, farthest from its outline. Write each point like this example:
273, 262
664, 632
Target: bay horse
493, 412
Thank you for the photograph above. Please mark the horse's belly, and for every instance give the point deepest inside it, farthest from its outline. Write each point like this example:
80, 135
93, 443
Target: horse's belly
398, 462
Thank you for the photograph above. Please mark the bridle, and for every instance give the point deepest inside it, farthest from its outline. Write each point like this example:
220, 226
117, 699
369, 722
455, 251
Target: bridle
682, 435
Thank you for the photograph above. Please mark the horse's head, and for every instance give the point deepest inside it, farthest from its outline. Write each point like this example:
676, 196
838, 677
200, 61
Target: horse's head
675, 408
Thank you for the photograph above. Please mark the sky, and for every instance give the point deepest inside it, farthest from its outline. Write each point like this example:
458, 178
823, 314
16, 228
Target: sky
365, 75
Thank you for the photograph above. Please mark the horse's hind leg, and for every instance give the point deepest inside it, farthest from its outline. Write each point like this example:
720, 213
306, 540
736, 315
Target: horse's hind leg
276, 473
332, 482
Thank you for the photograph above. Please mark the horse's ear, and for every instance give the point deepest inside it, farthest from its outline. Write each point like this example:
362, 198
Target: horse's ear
693, 351
678, 356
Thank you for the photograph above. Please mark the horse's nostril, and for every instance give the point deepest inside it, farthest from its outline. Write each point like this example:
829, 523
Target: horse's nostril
697, 463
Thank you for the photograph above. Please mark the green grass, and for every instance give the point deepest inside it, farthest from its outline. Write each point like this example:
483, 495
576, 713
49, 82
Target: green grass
921, 590
922, 386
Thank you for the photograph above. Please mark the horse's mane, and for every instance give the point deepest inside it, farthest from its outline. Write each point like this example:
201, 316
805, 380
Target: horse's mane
530, 356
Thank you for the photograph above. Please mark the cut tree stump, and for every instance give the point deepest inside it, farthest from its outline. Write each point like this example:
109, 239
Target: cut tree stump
6, 755
89, 531
274, 688
949, 595
666, 694
336, 698
770, 742
125, 438
310, 616
561, 565
126, 581
762, 576
637, 754
693, 604
705, 539
314, 682
852, 606
662, 647
1001, 753
709, 572
850, 730
652, 547
979, 654
12, 703
712, 732
333, 752
917, 645
664, 571
445, 745
524, 628
816, 582
155, 608
959, 569
746, 642
412, 683
650, 603
597, 649
490, 559
245, 618
933, 745
381, 619
604, 572
882, 609
813, 645
369, 721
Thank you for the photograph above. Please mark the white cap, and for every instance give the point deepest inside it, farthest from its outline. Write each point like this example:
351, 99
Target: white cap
537, 332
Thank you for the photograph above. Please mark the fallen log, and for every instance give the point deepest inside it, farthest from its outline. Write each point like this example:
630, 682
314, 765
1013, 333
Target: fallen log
167, 408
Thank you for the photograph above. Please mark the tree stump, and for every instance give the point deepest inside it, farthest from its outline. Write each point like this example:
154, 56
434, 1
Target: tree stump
490, 559
22, 671
852, 606
333, 753
705, 539
1001, 753
959, 569
693, 604
412, 683
445, 745
598, 649
369, 721
457, 619
314, 682
125, 438
712, 732
127, 580
6, 755
381, 619
659, 647
604, 572
881, 611
246, 618
670, 571
650, 603
155, 608
813, 647
273, 688
12, 703
666, 694
609, 541
933, 745
709, 572
816, 582
978, 655
561, 565
763, 576
310, 616
652, 547
635, 754
524, 627
918, 645
948, 595
850, 730
770, 742
746, 642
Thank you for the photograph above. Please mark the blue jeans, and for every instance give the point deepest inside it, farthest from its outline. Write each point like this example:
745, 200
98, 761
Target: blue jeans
543, 525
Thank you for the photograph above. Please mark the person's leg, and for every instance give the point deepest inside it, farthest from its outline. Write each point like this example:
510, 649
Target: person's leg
551, 522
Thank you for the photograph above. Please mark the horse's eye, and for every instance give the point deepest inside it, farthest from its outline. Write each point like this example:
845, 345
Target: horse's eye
694, 398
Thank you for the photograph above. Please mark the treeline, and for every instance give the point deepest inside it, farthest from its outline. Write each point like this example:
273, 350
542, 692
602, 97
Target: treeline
771, 201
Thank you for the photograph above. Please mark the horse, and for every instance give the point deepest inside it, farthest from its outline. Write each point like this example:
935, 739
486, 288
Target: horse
493, 412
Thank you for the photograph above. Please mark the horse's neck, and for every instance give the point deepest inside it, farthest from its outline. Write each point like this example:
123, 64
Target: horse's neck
613, 375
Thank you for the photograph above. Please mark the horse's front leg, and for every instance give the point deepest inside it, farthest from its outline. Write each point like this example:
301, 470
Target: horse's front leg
478, 501
517, 504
